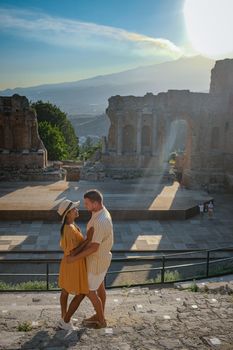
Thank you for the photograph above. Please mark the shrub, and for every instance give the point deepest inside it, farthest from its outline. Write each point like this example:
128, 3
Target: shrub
88, 148
194, 287
169, 276
24, 327
30, 285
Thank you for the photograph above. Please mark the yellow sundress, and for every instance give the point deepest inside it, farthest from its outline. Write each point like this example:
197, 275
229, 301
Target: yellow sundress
72, 276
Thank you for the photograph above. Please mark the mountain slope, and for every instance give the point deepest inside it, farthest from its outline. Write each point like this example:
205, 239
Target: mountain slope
91, 95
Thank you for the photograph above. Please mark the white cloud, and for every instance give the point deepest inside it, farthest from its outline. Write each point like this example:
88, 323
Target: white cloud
75, 34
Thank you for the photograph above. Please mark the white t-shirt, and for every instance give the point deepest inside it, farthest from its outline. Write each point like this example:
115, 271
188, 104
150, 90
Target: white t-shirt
201, 208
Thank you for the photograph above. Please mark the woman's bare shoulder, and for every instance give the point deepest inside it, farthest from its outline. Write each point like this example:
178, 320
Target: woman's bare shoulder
76, 228
70, 228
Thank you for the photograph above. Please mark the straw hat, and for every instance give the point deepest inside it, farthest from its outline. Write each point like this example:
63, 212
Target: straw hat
65, 206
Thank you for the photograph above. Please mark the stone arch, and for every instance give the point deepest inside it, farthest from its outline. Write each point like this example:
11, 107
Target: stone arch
176, 135
146, 139
129, 139
185, 161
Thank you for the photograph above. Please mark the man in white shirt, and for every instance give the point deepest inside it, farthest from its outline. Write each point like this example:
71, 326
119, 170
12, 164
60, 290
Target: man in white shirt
98, 254
201, 209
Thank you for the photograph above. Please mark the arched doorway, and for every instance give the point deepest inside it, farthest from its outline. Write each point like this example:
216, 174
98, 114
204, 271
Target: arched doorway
129, 139
146, 139
177, 147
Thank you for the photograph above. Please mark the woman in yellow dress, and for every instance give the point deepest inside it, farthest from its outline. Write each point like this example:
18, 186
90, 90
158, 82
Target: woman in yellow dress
72, 276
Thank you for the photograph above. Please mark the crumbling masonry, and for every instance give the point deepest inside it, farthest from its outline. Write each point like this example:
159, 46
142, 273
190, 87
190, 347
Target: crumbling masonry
20, 144
140, 128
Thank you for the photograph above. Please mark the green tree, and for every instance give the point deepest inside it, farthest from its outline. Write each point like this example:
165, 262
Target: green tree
53, 140
53, 115
88, 148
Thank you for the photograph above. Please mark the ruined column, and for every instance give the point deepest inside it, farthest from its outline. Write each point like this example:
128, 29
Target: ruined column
8, 136
119, 135
154, 135
2, 138
139, 134
21, 146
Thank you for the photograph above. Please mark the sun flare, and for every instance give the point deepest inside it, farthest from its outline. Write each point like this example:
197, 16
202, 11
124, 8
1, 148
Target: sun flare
209, 26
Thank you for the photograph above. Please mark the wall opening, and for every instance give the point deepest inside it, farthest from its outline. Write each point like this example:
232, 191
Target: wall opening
146, 139
129, 139
177, 148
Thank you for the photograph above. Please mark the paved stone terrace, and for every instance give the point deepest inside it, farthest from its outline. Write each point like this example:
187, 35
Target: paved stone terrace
149, 235
196, 233
134, 194
144, 319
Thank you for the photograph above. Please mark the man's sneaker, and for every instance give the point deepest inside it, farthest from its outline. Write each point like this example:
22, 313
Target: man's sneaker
66, 326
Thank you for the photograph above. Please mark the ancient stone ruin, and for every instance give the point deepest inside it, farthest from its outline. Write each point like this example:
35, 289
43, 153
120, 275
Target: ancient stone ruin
23, 155
20, 144
142, 131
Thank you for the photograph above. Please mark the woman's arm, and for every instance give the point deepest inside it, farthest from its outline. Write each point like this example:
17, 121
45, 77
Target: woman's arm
88, 239
88, 250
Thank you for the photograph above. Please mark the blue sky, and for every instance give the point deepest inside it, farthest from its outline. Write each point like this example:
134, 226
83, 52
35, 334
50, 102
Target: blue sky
50, 41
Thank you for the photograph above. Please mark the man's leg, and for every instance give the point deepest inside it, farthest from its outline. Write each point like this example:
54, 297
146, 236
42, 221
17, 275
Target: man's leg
102, 294
73, 306
97, 304
63, 301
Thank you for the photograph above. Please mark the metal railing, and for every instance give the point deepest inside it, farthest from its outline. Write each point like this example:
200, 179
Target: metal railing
205, 260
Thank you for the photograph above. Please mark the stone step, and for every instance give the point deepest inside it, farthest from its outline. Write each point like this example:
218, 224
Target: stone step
137, 318
125, 200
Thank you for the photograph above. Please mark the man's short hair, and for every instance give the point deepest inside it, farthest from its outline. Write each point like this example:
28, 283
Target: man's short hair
94, 196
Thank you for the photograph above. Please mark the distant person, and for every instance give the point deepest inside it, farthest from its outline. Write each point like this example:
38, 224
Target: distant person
201, 210
210, 209
98, 255
72, 277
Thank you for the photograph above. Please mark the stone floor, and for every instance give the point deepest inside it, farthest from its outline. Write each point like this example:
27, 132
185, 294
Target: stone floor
196, 233
17, 238
143, 319
136, 235
137, 318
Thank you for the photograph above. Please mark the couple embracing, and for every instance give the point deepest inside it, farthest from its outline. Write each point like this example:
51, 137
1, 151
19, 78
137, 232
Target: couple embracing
86, 260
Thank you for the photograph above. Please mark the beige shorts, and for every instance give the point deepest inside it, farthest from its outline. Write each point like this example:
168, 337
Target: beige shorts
94, 281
